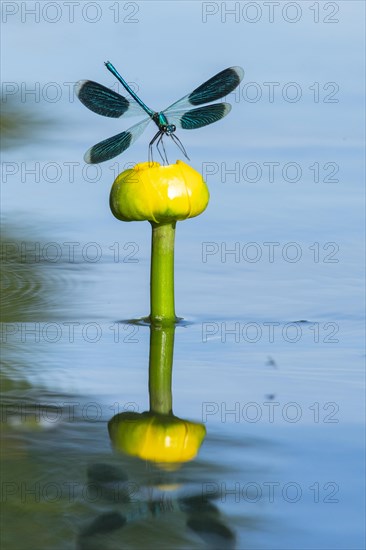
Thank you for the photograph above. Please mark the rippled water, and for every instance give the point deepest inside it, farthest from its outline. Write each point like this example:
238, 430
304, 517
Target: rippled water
271, 357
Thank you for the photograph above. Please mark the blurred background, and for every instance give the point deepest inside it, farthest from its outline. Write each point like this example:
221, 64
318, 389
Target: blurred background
268, 280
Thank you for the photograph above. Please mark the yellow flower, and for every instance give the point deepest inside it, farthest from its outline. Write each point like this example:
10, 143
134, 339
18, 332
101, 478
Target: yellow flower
159, 194
156, 437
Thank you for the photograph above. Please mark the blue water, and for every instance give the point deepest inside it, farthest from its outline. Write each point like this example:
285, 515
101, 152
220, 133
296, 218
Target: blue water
269, 278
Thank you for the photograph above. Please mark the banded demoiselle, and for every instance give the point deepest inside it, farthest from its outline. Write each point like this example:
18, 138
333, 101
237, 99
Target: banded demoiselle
180, 114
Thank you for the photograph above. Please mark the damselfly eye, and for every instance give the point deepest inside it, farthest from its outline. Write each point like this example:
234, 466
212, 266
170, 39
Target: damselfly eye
173, 128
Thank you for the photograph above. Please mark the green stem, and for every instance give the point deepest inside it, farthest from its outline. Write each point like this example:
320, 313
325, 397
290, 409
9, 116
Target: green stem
162, 274
160, 368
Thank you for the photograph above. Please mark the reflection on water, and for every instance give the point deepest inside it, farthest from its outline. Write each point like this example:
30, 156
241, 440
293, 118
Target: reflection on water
157, 435
156, 500
61, 474
62, 477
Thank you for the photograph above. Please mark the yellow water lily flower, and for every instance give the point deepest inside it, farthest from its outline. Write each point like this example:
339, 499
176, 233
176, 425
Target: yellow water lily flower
159, 194
156, 437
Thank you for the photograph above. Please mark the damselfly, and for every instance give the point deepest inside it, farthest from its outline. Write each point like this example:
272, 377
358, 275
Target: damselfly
180, 114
